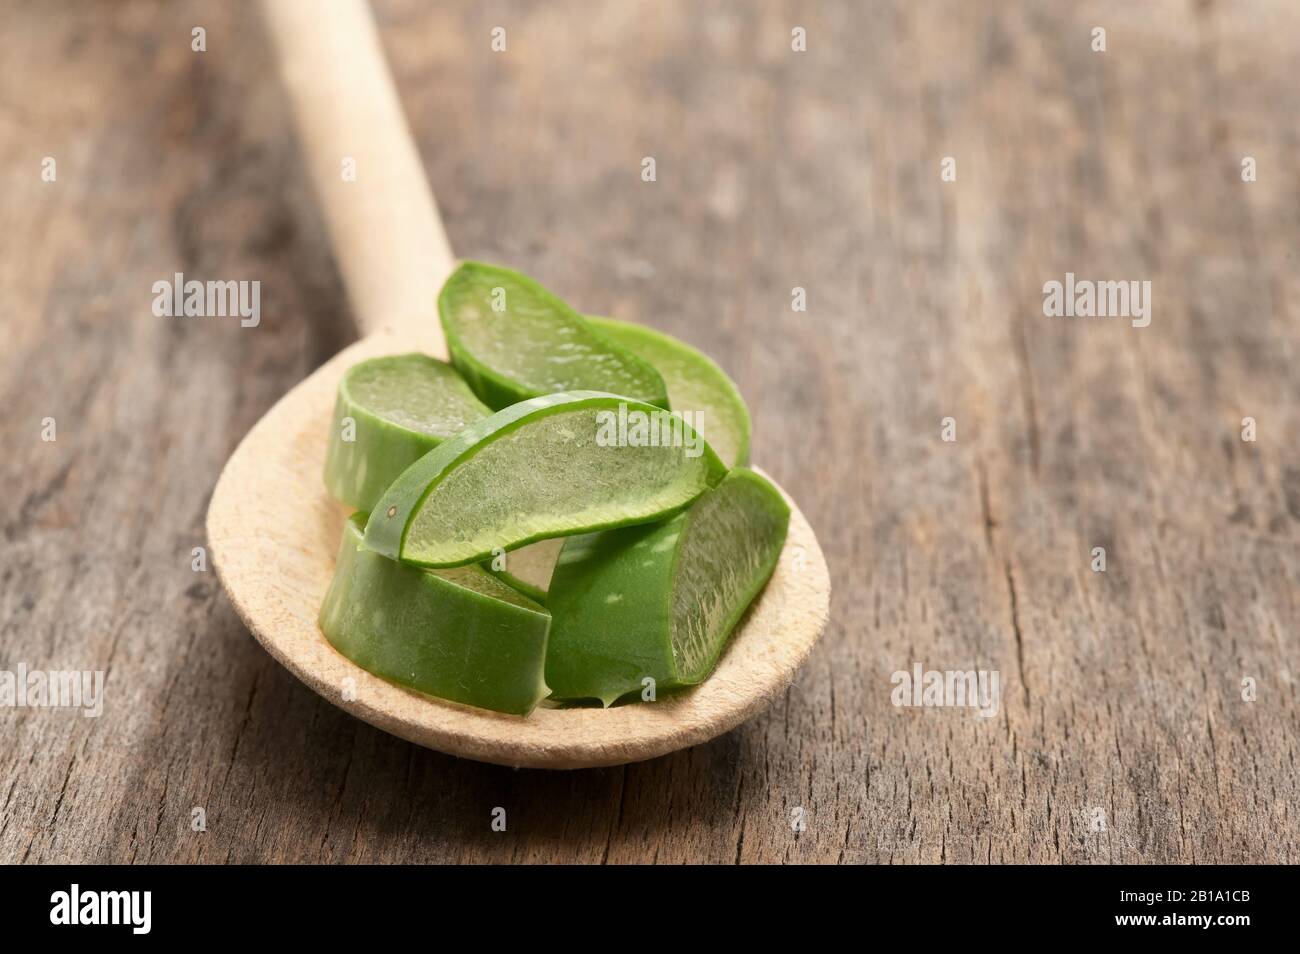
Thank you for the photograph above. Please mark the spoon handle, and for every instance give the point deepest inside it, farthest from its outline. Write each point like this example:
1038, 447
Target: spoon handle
383, 222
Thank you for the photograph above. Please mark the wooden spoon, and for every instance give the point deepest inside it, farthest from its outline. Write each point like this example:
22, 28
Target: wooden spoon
274, 532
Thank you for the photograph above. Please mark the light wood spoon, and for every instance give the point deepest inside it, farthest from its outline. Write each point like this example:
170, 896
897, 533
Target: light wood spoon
274, 532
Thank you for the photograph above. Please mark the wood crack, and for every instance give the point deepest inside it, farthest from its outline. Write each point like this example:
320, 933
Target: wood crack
1015, 626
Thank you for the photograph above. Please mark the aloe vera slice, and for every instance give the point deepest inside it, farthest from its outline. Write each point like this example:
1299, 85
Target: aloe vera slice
552, 466
457, 634
514, 340
401, 406
529, 568
659, 601
696, 386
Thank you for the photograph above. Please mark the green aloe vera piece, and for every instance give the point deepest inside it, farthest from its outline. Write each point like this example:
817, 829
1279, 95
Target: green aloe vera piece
402, 406
457, 634
529, 568
514, 340
552, 466
696, 386
659, 601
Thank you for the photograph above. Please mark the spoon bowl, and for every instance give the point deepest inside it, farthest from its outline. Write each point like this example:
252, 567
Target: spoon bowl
274, 532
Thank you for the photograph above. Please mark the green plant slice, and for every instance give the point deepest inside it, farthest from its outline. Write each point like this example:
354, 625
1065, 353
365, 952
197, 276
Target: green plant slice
529, 568
696, 386
514, 340
400, 408
552, 466
659, 601
456, 634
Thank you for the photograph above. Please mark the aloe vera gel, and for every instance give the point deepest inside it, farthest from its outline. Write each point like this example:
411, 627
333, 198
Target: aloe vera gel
457, 634
547, 467
513, 340
698, 389
580, 542
389, 413
651, 607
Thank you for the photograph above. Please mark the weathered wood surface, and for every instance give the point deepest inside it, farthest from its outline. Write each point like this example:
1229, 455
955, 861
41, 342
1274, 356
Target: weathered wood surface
1122, 690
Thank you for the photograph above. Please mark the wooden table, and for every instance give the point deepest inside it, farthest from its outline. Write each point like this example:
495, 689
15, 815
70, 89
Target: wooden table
1124, 732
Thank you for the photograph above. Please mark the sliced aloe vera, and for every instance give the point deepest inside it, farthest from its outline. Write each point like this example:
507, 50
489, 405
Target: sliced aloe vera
659, 601
513, 340
389, 413
551, 466
529, 568
457, 634
697, 388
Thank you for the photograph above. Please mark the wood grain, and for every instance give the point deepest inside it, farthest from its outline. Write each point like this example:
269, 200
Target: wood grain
1122, 689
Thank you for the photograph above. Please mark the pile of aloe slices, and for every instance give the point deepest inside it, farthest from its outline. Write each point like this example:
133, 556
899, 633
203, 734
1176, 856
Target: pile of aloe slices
562, 513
